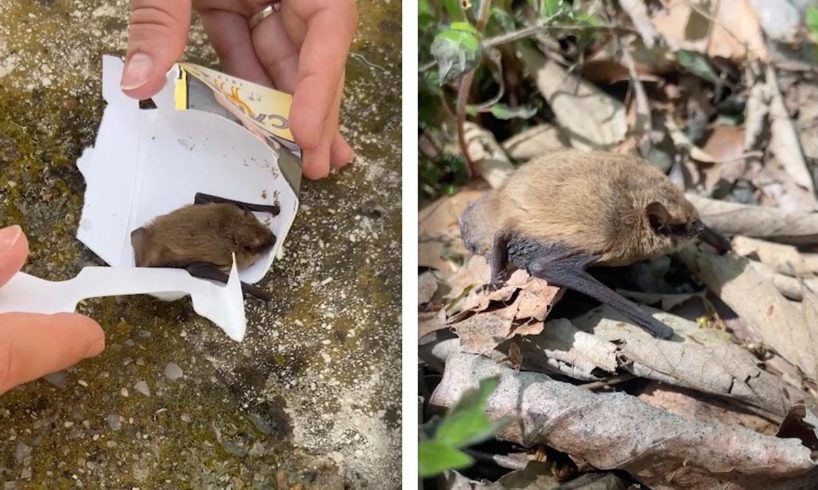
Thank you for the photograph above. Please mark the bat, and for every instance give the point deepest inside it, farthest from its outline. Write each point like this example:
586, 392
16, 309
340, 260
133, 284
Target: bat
561, 213
203, 238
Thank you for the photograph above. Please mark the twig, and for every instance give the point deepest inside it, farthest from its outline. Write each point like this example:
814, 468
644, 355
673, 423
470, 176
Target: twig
463, 94
643, 116
536, 29
460, 109
607, 382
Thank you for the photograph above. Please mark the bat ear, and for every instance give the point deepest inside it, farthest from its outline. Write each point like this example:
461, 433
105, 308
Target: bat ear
657, 216
140, 241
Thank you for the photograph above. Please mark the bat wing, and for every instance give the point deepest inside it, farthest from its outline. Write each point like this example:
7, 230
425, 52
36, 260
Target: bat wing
561, 268
206, 270
202, 198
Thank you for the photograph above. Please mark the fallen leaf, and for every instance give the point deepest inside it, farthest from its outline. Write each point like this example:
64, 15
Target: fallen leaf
482, 333
427, 287
780, 323
779, 19
535, 141
431, 321
731, 32
784, 139
638, 13
730, 219
431, 254
489, 157
691, 405
591, 118
667, 301
785, 259
652, 445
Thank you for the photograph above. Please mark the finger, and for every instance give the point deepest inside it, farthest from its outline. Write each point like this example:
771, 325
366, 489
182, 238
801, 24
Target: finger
13, 252
340, 152
230, 36
320, 68
316, 161
157, 34
33, 345
276, 52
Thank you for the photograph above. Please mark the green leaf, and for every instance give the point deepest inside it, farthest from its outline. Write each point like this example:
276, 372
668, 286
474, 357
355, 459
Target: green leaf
456, 50
467, 423
426, 16
436, 457
504, 112
812, 19
552, 7
453, 10
504, 22
697, 64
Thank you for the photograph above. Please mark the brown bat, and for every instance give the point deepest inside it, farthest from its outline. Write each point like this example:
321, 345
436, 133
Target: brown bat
203, 237
566, 211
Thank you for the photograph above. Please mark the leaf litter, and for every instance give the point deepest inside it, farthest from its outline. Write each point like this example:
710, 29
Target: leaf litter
716, 94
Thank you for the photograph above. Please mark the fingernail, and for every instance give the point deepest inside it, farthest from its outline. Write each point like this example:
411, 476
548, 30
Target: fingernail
9, 236
137, 71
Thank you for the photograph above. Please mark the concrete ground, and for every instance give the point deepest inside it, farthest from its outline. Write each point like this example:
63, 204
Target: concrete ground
311, 398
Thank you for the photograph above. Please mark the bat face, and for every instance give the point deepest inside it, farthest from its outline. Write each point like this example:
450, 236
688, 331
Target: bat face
678, 222
208, 233
252, 239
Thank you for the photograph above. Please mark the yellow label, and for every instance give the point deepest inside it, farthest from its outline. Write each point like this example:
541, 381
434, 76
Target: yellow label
267, 108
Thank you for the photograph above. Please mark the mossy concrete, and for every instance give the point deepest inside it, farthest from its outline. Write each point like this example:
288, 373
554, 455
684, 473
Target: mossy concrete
311, 398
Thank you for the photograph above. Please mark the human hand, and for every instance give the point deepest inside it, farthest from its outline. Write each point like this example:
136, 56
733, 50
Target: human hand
33, 345
301, 49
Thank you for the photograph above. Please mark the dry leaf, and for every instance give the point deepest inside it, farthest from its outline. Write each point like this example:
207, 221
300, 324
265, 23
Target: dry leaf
591, 118
667, 301
427, 287
780, 19
490, 159
681, 140
784, 139
431, 321
690, 405
781, 259
638, 13
430, 254
473, 273
483, 332
780, 323
482, 326
439, 230
535, 141
756, 221
655, 447
732, 32
439, 220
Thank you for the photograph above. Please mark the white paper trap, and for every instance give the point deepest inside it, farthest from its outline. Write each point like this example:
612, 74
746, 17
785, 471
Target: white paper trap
209, 133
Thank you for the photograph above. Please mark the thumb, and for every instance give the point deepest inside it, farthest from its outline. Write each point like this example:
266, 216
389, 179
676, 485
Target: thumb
13, 252
157, 34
